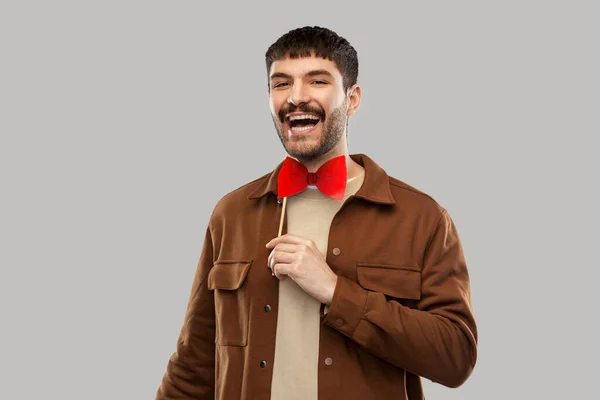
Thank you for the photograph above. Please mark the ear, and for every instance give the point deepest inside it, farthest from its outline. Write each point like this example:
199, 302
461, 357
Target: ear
354, 95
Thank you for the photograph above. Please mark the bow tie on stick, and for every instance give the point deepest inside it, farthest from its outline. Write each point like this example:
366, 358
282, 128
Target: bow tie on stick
294, 177
330, 178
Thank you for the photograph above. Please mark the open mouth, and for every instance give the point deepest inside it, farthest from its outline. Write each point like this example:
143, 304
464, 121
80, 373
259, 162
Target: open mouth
302, 123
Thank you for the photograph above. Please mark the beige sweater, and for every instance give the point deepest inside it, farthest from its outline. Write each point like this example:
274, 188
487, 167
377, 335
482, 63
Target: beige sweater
295, 369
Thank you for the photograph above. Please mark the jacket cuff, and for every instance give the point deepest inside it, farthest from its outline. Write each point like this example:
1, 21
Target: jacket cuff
347, 306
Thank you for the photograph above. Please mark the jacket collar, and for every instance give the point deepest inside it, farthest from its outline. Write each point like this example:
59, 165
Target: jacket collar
375, 187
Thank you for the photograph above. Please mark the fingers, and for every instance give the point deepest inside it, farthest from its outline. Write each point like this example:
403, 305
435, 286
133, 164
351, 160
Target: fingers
280, 258
280, 270
278, 261
289, 238
286, 250
286, 247
284, 253
282, 249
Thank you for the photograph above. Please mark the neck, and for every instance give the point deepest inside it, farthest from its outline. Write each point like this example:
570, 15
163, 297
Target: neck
354, 169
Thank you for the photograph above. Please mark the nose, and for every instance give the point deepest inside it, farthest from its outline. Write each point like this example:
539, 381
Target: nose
298, 95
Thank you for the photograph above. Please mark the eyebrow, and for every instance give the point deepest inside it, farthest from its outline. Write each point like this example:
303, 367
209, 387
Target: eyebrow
314, 72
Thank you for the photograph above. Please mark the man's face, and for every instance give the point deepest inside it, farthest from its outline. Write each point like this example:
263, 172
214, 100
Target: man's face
308, 106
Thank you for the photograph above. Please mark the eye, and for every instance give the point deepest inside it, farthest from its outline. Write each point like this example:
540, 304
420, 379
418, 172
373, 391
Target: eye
320, 82
279, 84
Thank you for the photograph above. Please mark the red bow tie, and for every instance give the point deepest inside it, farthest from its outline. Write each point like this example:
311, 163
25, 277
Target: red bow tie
330, 178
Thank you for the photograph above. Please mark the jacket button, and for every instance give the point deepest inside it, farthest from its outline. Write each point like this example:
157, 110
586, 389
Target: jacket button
339, 322
263, 364
336, 251
267, 308
328, 361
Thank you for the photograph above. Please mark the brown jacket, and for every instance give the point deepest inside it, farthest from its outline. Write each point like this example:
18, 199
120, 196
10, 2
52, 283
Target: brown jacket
401, 308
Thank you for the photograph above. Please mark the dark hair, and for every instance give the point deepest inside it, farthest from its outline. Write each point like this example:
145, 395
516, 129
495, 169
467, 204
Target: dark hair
325, 43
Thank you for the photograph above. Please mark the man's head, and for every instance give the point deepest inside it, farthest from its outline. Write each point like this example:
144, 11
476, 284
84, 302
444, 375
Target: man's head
312, 75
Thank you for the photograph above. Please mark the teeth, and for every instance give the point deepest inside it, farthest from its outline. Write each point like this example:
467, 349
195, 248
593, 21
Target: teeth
307, 116
304, 128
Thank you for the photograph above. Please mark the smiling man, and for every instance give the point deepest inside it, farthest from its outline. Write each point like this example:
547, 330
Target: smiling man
364, 288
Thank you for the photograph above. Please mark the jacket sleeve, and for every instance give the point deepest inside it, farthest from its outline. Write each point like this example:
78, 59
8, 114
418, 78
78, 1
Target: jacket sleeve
190, 372
437, 339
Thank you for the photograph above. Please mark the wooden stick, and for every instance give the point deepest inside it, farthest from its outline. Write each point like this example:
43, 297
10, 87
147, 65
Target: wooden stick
282, 216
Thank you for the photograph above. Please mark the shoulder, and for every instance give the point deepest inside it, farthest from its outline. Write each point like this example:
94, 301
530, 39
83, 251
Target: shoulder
237, 200
414, 199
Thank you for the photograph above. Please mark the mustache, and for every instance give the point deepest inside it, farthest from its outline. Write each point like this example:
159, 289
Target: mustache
304, 108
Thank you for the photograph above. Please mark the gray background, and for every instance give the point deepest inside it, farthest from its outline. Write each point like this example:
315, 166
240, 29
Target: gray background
123, 123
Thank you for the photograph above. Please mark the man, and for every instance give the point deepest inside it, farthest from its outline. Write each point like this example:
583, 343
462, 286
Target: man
365, 290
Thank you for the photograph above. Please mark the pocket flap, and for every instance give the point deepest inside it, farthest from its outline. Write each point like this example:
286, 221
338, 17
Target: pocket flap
228, 275
396, 281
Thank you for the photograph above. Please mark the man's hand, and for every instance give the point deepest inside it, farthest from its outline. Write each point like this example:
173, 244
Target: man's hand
301, 260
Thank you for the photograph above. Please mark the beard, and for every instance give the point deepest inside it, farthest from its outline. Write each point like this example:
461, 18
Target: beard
301, 146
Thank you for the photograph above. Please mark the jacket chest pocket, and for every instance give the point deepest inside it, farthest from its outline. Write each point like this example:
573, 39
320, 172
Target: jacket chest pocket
232, 303
397, 282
